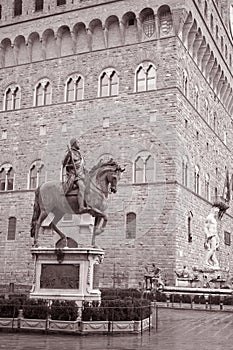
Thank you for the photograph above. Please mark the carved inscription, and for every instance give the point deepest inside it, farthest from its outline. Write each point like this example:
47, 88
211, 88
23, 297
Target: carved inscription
64, 276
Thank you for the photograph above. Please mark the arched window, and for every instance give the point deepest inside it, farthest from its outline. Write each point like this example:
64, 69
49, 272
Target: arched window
8, 100
74, 88
190, 236
131, 225
185, 82
12, 98
138, 170
145, 77
17, 7
16, 98
109, 83
185, 172
197, 180
222, 44
216, 32
6, 177
43, 93
39, 5
39, 95
225, 137
113, 84
206, 10
70, 90
37, 174
211, 22
140, 80
196, 98
207, 111
215, 122
2, 179
207, 187
226, 52
47, 93
144, 168
104, 86
11, 228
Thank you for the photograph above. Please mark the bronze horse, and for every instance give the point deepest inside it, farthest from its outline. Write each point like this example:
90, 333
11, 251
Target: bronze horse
50, 198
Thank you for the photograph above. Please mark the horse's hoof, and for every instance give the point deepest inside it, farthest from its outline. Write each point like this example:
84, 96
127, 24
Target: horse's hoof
98, 231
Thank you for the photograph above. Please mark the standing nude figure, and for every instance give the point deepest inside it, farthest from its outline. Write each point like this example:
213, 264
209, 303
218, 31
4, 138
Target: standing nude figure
211, 238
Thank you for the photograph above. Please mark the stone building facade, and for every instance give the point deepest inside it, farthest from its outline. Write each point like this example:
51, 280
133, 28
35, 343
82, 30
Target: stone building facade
146, 82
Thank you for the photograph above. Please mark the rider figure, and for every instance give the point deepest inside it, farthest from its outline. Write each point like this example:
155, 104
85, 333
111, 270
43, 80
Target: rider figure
73, 163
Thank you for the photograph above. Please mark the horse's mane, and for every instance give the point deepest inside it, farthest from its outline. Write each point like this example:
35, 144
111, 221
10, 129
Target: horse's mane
102, 164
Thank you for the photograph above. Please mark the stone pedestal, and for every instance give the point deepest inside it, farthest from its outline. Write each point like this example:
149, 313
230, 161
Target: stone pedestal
65, 273
210, 277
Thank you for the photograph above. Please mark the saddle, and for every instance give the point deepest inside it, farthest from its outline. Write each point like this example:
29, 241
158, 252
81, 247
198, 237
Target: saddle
69, 187
72, 193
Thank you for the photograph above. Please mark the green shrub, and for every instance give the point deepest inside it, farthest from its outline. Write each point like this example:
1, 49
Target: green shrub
127, 309
35, 309
186, 298
160, 296
9, 308
214, 299
18, 298
64, 310
117, 293
228, 300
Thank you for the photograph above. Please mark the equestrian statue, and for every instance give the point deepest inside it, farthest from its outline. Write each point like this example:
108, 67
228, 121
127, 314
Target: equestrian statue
82, 192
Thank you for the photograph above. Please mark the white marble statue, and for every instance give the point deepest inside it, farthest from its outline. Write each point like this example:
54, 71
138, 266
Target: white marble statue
211, 238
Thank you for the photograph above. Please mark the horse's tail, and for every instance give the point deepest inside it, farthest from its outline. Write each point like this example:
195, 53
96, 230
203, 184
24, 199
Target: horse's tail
36, 212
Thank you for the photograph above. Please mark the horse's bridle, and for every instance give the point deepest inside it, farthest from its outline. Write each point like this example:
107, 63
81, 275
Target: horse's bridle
98, 188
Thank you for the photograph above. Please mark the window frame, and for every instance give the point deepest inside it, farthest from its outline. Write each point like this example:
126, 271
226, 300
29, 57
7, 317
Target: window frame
15, 95
129, 233
7, 168
11, 224
145, 67
197, 187
196, 98
207, 187
185, 172
39, 5
227, 238
76, 80
44, 83
61, 2
185, 83
144, 156
18, 8
108, 73
39, 166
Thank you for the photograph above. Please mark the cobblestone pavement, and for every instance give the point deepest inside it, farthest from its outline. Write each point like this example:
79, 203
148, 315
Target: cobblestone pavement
178, 330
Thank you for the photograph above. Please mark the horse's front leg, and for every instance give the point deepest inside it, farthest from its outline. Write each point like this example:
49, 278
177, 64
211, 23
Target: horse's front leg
100, 223
42, 216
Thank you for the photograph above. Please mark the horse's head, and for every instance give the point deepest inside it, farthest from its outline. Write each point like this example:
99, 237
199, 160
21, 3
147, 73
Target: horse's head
112, 178
108, 175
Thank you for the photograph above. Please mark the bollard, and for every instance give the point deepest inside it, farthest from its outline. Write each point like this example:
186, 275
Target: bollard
206, 296
221, 302
168, 299
154, 316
